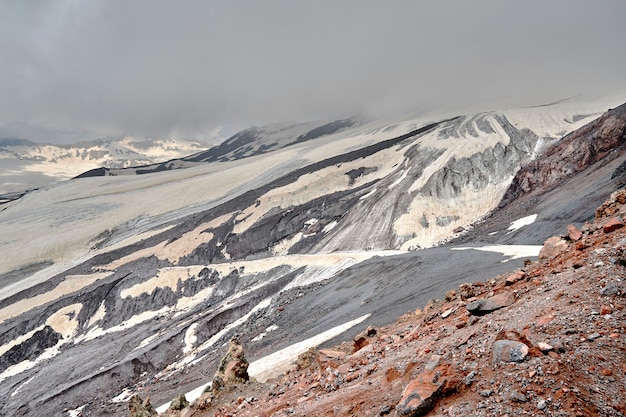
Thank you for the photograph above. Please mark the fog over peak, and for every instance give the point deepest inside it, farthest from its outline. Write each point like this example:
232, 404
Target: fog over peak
74, 70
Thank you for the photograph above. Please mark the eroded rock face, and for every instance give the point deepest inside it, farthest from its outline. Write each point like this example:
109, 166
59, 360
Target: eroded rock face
574, 153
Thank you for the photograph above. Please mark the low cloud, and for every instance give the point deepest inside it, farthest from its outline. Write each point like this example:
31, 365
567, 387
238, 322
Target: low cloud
77, 70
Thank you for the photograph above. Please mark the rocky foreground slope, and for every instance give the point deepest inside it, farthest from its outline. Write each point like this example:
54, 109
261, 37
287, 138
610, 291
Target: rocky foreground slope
546, 339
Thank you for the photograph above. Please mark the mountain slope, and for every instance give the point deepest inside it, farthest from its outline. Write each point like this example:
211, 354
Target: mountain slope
551, 343
136, 281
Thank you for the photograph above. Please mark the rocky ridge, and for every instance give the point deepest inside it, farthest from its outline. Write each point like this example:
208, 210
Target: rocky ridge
574, 153
552, 342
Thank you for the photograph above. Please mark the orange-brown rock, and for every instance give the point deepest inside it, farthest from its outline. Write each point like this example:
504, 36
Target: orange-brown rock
573, 233
552, 247
233, 367
330, 357
363, 339
421, 393
612, 225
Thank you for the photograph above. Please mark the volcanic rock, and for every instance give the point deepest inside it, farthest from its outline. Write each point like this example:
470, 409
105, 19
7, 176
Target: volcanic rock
140, 408
176, 406
508, 351
612, 206
573, 233
329, 357
421, 394
574, 153
612, 225
233, 367
487, 305
362, 339
552, 247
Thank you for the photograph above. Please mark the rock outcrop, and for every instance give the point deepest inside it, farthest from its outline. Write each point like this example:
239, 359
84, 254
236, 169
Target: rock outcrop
233, 367
574, 153
140, 408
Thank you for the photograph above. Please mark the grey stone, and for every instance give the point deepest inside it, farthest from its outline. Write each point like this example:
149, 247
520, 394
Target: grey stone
610, 289
508, 351
542, 404
487, 305
518, 397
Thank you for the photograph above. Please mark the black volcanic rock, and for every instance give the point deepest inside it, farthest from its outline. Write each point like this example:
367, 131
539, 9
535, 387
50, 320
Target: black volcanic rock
30, 348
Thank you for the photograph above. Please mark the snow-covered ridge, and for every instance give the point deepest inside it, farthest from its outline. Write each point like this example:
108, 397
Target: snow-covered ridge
18, 158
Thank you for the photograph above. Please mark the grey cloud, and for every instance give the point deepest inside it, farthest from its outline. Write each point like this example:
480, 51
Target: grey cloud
162, 67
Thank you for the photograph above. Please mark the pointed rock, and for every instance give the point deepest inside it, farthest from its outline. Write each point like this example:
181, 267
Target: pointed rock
419, 396
435, 381
177, 406
363, 339
233, 367
140, 408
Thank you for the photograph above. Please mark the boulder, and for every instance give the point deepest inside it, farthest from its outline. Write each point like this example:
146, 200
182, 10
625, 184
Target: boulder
330, 357
515, 277
177, 406
487, 305
419, 396
573, 233
435, 381
612, 225
363, 339
467, 290
508, 351
552, 247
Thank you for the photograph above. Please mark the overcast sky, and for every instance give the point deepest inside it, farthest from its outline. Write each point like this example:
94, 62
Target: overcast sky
82, 69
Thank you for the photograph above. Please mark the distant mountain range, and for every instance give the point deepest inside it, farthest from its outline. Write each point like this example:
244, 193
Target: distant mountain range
25, 164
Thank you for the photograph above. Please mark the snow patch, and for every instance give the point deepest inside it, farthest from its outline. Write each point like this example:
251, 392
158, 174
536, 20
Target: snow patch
510, 251
190, 338
278, 362
330, 226
519, 223
263, 334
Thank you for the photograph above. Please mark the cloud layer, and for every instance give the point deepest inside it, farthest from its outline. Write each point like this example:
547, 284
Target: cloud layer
72, 69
